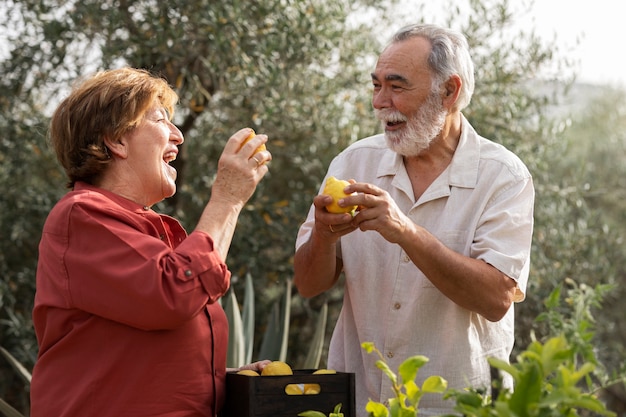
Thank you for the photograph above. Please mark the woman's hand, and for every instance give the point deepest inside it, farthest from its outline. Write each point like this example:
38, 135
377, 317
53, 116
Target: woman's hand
255, 366
240, 168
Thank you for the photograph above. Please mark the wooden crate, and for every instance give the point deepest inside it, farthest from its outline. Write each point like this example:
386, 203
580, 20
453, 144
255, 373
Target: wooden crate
264, 396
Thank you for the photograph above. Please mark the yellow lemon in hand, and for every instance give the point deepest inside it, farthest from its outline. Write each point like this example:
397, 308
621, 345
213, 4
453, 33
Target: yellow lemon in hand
248, 372
276, 368
334, 188
250, 136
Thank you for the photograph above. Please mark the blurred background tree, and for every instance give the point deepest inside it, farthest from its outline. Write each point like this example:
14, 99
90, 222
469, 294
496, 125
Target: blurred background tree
299, 72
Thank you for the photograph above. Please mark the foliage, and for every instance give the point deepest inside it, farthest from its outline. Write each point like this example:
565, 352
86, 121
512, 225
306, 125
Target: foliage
299, 71
560, 377
552, 379
336, 413
407, 394
546, 384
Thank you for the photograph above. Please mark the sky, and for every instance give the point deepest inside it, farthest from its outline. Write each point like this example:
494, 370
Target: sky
601, 27
591, 32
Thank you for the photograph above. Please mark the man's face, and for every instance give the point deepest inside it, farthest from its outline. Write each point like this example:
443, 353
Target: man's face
411, 112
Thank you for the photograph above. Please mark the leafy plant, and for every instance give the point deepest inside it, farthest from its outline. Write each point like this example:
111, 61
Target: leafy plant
336, 413
560, 377
547, 383
407, 393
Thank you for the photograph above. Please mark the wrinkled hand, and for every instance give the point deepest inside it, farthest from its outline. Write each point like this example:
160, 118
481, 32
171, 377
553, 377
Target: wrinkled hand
255, 366
330, 226
240, 169
376, 211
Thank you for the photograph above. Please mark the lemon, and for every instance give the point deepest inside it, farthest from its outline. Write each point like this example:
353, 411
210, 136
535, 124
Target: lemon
325, 371
276, 368
248, 372
294, 389
334, 188
311, 389
250, 136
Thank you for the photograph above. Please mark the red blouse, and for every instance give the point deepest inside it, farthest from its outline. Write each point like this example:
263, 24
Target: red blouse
126, 313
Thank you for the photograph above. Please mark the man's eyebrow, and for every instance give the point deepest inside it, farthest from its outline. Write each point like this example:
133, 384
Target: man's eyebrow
392, 77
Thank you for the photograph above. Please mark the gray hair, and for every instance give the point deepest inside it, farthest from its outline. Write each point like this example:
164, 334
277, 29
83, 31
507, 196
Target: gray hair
449, 55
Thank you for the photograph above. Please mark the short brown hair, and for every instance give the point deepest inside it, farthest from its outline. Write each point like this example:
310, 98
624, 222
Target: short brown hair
108, 104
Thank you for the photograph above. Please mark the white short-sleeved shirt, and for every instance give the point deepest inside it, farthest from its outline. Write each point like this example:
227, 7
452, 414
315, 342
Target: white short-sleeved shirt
481, 206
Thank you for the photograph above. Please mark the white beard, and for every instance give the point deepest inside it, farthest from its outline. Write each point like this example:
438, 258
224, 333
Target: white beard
420, 130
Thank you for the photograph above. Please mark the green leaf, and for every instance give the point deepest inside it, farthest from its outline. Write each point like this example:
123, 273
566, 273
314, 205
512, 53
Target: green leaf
311, 414
286, 316
317, 344
17, 366
434, 384
368, 346
376, 409
336, 412
8, 411
248, 319
235, 355
382, 365
409, 367
504, 366
527, 390
274, 345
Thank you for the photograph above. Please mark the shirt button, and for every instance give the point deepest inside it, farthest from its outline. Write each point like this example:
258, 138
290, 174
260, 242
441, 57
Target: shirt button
405, 258
146, 208
162, 236
397, 306
188, 273
390, 355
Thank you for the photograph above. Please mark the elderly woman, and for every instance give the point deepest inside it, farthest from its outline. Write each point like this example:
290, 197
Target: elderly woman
126, 311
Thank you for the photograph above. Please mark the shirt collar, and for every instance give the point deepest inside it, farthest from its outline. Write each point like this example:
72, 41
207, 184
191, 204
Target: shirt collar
463, 169
118, 199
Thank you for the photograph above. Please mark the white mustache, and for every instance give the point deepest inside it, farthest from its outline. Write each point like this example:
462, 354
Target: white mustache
390, 115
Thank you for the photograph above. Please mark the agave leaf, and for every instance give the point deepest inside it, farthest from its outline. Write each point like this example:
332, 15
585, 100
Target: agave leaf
235, 356
315, 348
274, 345
248, 319
270, 346
285, 318
7, 410
19, 368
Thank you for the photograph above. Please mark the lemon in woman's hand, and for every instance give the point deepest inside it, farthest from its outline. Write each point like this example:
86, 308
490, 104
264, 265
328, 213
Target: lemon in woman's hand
250, 136
334, 188
248, 372
276, 368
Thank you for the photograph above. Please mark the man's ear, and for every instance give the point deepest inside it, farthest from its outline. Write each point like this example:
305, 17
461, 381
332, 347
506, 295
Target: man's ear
117, 147
452, 90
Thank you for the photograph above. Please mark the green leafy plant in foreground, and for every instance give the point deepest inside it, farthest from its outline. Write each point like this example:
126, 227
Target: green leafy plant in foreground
556, 378
336, 413
407, 393
547, 383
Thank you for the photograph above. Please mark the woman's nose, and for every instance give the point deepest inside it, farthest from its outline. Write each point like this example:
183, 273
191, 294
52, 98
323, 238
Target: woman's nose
175, 134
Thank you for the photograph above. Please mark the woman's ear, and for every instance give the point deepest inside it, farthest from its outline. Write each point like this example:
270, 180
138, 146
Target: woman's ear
117, 147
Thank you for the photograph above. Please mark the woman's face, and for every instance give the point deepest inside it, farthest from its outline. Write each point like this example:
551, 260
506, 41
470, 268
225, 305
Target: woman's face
152, 146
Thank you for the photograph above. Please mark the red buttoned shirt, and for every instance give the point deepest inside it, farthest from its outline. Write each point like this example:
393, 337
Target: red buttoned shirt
126, 313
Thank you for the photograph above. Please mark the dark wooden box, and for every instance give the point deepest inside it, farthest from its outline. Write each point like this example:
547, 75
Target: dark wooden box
264, 396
